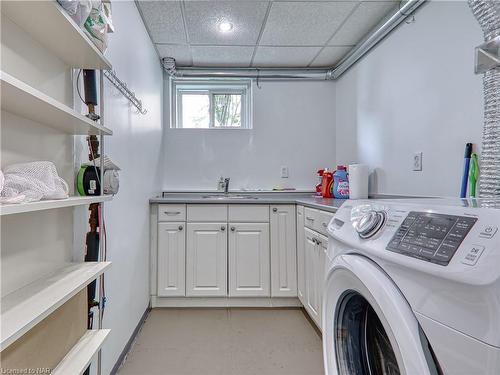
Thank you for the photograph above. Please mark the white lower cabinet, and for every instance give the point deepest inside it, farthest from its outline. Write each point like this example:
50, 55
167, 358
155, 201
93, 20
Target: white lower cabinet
283, 251
322, 248
301, 281
249, 260
315, 246
250, 251
171, 259
206, 260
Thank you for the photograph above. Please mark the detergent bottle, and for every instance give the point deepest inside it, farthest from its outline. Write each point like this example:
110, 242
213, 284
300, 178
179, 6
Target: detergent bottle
341, 183
327, 184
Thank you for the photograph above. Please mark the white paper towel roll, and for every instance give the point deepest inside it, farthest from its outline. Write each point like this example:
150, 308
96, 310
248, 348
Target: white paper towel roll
358, 181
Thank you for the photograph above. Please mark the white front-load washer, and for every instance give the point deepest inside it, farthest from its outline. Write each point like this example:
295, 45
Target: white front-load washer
413, 287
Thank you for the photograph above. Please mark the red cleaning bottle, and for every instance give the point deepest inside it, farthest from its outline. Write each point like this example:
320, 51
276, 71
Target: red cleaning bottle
320, 182
327, 184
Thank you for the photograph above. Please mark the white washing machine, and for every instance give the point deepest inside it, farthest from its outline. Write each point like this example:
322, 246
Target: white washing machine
413, 287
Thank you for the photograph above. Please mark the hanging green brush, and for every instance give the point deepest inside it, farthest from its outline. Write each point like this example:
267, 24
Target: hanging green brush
473, 175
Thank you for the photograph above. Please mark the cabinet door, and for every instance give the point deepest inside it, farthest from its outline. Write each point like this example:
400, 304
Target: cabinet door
206, 260
283, 251
249, 273
311, 257
301, 271
320, 273
171, 259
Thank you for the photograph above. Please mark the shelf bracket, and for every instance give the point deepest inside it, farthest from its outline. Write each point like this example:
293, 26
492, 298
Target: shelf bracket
488, 56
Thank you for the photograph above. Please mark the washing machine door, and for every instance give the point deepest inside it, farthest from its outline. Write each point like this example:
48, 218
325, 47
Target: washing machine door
368, 327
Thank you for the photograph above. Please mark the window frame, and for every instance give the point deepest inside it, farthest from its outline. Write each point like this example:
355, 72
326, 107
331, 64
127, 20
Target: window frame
211, 87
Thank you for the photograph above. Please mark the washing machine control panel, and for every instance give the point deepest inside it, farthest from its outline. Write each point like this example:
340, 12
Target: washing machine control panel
430, 236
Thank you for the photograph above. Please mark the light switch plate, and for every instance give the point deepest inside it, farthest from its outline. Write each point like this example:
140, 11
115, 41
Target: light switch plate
284, 171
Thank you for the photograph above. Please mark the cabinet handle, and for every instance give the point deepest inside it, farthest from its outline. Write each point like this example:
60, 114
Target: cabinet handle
324, 224
223, 228
275, 209
180, 227
233, 229
309, 218
171, 213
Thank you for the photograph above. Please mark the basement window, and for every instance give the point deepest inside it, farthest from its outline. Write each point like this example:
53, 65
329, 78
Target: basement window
210, 104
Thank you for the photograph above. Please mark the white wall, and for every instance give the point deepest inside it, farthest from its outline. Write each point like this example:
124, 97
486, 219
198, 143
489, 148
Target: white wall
416, 91
135, 147
293, 125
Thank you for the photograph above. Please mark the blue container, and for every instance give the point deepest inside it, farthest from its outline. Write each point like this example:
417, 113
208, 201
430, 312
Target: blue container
341, 183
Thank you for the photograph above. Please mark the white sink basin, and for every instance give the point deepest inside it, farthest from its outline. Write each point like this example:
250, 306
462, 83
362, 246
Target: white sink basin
228, 196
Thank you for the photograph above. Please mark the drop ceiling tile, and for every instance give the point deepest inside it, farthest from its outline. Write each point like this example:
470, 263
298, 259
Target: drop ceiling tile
330, 56
181, 53
364, 18
304, 23
222, 56
284, 56
163, 20
202, 18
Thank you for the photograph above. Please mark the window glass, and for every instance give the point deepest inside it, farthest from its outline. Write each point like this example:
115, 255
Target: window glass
227, 110
195, 111
211, 104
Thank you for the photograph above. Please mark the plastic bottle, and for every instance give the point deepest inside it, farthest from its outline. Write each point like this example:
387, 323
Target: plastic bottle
341, 183
327, 184
320, 182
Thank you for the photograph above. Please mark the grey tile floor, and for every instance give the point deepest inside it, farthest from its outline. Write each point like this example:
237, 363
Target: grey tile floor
226, 341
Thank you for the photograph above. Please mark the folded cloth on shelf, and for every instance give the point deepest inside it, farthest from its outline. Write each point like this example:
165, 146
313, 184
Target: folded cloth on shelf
33, 181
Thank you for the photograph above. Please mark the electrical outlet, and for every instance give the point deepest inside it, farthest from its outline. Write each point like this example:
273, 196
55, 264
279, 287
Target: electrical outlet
284, 172
417, 161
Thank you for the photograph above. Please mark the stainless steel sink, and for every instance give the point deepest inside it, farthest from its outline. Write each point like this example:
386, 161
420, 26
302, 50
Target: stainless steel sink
228, 196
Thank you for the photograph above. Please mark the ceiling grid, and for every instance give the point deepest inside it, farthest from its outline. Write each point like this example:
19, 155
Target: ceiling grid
279, 33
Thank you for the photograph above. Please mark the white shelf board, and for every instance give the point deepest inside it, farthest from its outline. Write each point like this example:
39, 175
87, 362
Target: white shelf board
26, 101
80, 356
24, 308
49, 24
18, 208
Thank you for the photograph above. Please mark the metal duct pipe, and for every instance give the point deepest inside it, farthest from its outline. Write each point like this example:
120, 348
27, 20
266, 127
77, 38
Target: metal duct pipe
311, 74
487, 13
375, 36
267, 74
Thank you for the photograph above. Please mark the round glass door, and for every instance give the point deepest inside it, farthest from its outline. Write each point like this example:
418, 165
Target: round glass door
362, 345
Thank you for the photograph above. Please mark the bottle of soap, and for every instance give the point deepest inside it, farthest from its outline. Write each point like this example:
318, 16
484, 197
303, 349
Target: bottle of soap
341, 183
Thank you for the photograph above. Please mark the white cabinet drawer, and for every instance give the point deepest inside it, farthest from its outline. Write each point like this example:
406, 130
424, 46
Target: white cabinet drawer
249, 213
323, 218
172, 212
317, 220
311, 218
207, 212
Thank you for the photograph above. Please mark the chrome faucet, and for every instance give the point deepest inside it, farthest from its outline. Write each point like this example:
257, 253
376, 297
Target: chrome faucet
226, 185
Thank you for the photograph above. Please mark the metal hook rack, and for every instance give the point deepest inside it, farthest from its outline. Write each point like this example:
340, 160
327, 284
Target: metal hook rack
127, 93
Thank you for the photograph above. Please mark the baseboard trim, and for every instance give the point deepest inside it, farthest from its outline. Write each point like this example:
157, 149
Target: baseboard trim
224, 302
127, 347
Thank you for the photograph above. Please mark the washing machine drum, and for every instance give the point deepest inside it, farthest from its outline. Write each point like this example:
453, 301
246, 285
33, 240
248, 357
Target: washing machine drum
368, 327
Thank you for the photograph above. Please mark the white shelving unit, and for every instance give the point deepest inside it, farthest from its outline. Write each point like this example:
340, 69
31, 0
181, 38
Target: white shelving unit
10, 209
80, 356
47, 23
51, 26
23, 309
25, 101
